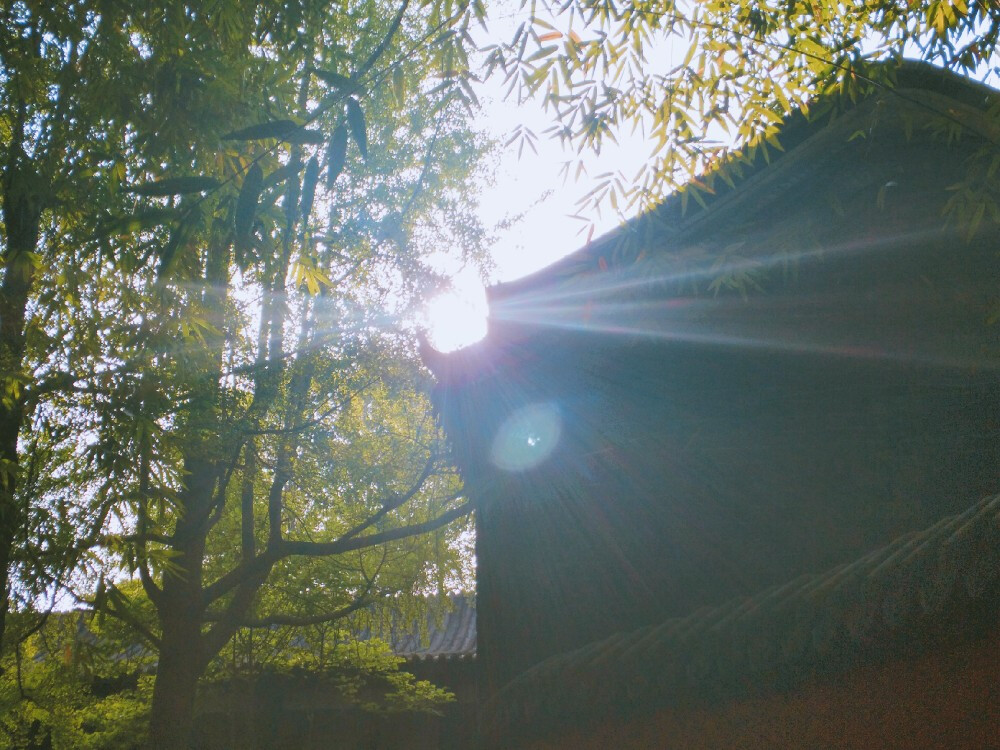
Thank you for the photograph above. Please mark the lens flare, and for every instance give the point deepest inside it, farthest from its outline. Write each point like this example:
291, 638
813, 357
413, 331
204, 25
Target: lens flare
527, 437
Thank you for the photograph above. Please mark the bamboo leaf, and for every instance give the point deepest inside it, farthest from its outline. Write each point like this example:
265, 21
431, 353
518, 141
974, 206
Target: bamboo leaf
304, 136
281, 174
399, 85
246, 208
135, 223
336, 80
272, 129
336, 153
309, 181
287, 131
356, 120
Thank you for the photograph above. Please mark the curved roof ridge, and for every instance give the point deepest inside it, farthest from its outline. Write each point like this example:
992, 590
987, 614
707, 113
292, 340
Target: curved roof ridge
942, 93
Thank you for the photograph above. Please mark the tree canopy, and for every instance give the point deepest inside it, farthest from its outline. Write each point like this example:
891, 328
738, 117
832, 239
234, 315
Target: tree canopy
216, 224
700, 81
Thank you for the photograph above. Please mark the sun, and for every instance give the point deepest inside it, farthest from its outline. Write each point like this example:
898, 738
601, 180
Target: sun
457, 318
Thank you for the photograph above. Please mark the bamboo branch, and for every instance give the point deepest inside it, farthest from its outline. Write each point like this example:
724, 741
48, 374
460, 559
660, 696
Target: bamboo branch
384, 44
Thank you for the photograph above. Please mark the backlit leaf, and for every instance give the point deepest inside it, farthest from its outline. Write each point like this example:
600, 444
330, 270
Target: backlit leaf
356, 120
336, 154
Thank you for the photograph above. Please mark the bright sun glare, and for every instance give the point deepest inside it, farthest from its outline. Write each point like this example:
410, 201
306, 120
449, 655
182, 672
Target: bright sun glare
457, 318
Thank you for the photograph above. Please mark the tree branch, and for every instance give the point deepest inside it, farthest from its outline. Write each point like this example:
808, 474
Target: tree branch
299, 620
391, 503
287, 548
290, 547
250, 567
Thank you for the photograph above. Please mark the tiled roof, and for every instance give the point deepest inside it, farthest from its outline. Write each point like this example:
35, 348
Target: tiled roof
820, 622
450, 633
453, 635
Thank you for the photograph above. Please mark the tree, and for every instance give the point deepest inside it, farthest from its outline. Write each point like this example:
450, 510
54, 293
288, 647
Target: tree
58, 121
702, 79
76, 84
166, 420
71, 682
254, 401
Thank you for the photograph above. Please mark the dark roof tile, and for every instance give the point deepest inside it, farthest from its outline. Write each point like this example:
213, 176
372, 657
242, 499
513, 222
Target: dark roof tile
747, 644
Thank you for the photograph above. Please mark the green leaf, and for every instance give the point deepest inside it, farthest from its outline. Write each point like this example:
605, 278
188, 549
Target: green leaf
309, 181
356, 120
336, 153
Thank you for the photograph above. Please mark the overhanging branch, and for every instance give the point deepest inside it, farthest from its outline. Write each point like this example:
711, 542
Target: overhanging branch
298, 620
288, 548
323, 549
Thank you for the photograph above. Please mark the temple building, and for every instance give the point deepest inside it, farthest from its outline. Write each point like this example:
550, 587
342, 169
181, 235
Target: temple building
736, 463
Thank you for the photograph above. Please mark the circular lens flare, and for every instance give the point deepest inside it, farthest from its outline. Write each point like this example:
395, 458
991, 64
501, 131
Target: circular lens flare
527, 437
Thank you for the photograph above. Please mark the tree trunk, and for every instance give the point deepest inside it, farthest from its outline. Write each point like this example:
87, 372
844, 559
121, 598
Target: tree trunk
22, 215
180, 665
183, 650
182, 656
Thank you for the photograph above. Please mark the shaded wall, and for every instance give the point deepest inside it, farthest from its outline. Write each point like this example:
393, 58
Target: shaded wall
947, 699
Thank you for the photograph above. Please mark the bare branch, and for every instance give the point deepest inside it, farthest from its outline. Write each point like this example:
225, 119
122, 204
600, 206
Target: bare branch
154, 592
117, 599
219, 501
109, 540
302, 426
245, 570
248, 547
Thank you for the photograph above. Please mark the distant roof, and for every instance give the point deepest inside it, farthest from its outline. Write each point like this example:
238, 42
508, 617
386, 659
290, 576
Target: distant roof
448, 635
454, 635
820, 623
447, 632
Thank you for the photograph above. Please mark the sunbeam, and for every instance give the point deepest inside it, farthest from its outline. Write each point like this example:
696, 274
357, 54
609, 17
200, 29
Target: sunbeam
887, 320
